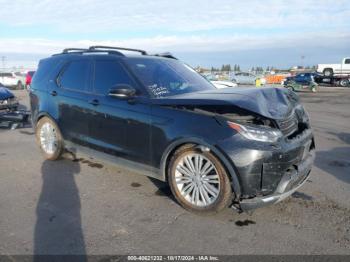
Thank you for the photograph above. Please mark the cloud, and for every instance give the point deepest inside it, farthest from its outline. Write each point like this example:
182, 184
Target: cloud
47, 26
80, 16
199, 43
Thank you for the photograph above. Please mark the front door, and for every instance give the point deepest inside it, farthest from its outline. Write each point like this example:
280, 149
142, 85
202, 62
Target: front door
120, 126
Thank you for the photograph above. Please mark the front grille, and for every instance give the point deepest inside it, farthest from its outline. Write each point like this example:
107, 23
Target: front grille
289, 125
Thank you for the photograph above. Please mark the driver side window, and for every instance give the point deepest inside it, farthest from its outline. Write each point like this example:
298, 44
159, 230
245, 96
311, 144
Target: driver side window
108, 74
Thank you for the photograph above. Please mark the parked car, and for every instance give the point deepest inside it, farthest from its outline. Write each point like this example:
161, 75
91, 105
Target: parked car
243, 78
304, 78
29, 77
12, 79
223, 84
295, 86
335, 69
246, 147
7, 99
219, 83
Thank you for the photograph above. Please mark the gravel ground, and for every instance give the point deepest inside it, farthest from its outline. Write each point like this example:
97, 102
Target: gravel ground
90, 207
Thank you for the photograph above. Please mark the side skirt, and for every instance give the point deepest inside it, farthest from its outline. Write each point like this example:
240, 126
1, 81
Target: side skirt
132, 166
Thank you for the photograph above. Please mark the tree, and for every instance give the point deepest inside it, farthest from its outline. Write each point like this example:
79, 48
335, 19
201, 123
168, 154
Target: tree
226, 67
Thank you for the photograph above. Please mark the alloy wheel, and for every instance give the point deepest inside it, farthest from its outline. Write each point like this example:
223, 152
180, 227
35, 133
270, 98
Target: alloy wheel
48, 138
197, 180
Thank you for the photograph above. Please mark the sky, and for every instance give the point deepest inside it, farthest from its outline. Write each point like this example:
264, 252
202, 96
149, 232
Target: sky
201, 32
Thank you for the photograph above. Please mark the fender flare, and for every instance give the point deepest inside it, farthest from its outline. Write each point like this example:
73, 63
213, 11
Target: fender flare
194, 140
41, 115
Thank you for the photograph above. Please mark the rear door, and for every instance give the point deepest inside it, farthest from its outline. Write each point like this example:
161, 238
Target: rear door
72, 100
121, 126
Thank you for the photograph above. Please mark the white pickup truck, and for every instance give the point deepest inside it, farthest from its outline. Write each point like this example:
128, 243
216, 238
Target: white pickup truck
335, 69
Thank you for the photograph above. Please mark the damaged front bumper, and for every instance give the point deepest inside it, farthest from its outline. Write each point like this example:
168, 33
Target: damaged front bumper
8, 104
290, 182
269, 172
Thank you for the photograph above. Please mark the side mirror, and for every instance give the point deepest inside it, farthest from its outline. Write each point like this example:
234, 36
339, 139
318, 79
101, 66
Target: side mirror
122, 91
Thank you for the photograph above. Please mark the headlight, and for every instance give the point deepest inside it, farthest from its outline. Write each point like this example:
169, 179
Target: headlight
12, 100
263, 134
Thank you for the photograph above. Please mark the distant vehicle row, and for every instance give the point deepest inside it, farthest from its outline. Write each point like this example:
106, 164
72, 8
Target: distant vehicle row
241, 78
316, 78
16, 80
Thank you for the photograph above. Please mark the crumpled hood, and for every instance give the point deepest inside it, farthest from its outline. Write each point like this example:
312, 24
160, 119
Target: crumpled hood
274, 103
5, 93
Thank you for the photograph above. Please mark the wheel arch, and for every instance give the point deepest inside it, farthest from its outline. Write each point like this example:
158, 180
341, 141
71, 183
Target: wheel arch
41, 115
170, 150
328, 69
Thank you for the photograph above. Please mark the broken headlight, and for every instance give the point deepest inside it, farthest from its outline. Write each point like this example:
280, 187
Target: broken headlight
257, 133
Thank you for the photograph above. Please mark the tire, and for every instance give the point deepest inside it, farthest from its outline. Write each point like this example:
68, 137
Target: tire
206, 200
291, 88
344, 82
328, 72
51, 146
19, 85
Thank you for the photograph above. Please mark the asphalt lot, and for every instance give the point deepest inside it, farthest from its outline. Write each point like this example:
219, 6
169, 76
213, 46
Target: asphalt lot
90, 207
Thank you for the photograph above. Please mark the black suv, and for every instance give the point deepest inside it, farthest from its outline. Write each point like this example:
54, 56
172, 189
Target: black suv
154, 114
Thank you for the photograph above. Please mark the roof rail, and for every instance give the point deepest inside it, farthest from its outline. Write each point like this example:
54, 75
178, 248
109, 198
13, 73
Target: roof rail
165, 54
84, 51
117, 48
67, 50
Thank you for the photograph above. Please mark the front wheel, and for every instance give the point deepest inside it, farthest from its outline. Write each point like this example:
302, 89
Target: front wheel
49, 138
199, 181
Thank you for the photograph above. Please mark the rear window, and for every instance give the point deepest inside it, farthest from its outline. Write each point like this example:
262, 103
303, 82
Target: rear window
76, 76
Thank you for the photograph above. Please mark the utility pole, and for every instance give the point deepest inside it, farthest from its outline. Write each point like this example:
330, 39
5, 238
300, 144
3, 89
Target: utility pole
302, 61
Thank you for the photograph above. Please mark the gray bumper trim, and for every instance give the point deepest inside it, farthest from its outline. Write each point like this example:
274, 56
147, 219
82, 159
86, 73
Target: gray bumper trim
257, 202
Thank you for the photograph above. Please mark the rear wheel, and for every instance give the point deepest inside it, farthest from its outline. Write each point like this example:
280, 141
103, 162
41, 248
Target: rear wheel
328, 72
19, 85
49, 138
344, 82
199, 181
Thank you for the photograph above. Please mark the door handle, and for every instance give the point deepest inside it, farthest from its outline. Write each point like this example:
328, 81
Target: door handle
94, 102
53, 93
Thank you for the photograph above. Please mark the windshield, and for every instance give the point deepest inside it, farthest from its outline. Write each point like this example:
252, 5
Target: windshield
163, 77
